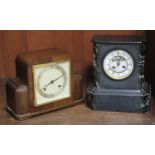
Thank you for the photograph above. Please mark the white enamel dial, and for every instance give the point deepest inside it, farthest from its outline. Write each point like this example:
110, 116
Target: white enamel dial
118, 64
51, 82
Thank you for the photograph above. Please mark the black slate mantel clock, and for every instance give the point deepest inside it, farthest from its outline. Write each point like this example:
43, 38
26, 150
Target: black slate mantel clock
119, 82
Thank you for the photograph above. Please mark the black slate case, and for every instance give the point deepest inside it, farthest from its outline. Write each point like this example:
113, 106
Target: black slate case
132, 94
120, 101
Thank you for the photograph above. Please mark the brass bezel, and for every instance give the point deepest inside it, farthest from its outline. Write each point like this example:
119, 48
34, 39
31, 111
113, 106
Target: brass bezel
34, 81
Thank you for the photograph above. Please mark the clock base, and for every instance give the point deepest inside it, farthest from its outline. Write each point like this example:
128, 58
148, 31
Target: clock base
19, 106
119, 100
30, 115
18, 117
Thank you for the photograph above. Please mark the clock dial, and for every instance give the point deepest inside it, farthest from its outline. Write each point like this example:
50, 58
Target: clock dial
118, 64
51, 82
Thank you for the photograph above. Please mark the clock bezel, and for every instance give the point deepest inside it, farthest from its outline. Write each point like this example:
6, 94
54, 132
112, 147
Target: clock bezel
129, 53
35, 82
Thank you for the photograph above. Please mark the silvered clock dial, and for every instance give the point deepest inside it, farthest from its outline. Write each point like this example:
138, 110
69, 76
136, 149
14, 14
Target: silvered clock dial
118, 64
52, 82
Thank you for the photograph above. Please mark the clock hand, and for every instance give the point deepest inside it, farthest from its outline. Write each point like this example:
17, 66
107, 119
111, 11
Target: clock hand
58, 78
118, 63
51, 82
119, 60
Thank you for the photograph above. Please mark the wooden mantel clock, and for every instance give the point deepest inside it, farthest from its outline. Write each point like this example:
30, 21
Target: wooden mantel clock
44, 82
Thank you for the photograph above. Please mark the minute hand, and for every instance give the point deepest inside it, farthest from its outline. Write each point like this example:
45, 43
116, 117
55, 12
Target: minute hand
51, 82
57, 78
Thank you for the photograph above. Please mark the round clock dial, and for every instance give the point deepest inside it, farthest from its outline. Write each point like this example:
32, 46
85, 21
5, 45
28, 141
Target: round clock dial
118, 64
51, 81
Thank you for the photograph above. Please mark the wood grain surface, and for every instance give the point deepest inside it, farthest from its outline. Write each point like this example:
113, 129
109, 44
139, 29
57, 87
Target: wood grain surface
76, 42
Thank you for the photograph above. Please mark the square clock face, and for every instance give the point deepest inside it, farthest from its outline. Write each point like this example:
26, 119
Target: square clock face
52, 82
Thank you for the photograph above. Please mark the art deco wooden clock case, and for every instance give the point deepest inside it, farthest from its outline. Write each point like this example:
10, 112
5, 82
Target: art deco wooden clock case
119, 81
44, 82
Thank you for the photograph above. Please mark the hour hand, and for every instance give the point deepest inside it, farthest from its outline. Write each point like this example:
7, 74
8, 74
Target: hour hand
118, 63
45, 86
51, 82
